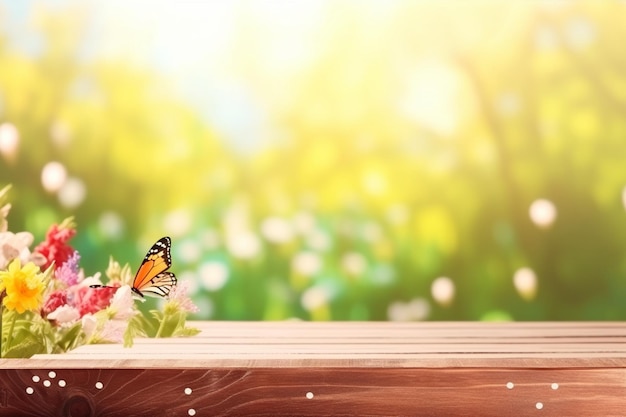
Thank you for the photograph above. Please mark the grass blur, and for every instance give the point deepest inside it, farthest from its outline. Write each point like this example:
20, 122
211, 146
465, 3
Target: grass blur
330, 160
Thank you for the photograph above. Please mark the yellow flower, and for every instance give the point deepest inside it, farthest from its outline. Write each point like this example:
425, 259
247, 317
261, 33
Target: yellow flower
24, 286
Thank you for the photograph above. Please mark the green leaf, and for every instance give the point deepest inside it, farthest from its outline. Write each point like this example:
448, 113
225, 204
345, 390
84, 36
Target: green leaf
27, 346
136, 328
186, 332
69, 339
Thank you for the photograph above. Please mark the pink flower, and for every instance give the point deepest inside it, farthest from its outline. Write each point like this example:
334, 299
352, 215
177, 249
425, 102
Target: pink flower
113, 331
55, 300
68, 272
90, 300
179, 300
55, 248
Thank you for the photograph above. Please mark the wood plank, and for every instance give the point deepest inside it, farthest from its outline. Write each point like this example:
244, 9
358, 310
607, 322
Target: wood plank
315, 392
301, 368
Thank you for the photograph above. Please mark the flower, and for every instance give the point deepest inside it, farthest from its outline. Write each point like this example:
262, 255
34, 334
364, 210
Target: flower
68, 272
179, 300
53, 301
55, 248
89, 324
24, 286
117, 273
122, 304
51, 306
90, 300
64, 315
113, 331
15, 245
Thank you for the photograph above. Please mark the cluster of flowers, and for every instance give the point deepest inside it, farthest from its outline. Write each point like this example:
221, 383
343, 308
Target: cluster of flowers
50, 306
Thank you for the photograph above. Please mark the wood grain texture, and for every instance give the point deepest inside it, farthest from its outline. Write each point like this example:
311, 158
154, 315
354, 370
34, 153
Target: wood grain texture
307, 369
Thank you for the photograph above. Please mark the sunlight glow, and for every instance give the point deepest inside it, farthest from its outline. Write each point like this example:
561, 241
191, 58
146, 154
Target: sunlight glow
432, 96
374, 182
579, 33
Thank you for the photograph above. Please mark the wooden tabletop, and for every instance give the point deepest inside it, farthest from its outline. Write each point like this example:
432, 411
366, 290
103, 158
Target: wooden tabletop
334, 368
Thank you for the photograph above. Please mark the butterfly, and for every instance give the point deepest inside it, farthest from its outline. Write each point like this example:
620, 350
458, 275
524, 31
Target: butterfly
152, 277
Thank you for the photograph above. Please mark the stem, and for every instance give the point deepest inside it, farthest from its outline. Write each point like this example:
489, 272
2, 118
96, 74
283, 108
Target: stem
1, 332
161, 326
10, 335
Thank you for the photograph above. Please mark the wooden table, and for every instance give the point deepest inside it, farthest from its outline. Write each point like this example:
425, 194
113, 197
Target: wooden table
365, 369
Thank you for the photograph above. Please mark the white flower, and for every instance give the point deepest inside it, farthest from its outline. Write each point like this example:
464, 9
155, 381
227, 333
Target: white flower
14, 245
89, 323
88, 281
122, 305
64, 315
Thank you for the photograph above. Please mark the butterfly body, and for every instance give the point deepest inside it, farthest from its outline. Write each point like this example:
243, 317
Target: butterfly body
152, 277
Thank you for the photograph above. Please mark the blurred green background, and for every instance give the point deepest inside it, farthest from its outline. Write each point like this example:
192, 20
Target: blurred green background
330, 160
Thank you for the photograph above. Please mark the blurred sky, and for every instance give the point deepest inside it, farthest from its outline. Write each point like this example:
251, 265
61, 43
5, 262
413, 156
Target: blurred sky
238, 62
194, 44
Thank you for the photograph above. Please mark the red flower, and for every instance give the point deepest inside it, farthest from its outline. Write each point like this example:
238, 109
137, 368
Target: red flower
53, 301
55, 248
90, 300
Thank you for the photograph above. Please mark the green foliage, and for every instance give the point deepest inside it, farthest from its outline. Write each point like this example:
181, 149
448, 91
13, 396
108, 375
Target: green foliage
24, 335
367, 195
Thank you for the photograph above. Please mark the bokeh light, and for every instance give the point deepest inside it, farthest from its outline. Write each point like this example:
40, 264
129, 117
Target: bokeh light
306, 263
243, 245
354, 263
72, 193
525, 282
9, 140
443, 290
111, 225
53, 176
213, 275
177, 222
277, 230
543, 213
415, 310
315, 298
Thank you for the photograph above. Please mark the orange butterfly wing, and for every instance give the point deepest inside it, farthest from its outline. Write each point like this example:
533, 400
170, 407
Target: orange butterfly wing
151, 277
